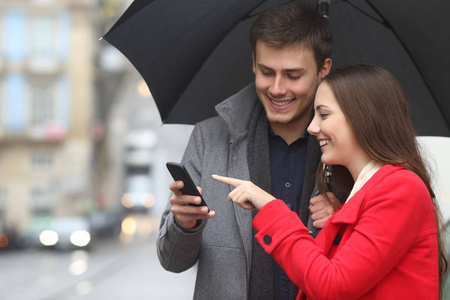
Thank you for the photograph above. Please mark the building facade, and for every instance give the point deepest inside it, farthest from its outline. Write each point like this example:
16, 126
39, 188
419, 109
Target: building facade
47, 95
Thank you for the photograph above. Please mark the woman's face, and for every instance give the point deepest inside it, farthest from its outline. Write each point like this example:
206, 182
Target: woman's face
335, 135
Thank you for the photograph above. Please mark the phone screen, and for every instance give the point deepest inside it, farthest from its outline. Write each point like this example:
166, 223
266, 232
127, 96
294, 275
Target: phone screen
179, 172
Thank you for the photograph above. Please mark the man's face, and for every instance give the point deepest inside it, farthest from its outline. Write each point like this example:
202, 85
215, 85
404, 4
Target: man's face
286, 80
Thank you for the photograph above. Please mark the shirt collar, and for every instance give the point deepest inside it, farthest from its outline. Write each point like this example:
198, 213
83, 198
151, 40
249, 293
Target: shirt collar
273, 136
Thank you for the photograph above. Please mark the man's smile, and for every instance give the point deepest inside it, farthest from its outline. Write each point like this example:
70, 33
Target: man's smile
281, 102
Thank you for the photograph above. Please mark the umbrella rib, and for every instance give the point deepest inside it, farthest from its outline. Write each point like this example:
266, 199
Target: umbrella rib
385, 23
389, 26
253, 13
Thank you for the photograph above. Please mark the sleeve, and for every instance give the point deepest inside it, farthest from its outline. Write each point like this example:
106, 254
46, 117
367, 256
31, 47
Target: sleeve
386, 229
178, 248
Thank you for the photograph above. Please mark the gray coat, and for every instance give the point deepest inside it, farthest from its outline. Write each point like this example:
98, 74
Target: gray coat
222, 246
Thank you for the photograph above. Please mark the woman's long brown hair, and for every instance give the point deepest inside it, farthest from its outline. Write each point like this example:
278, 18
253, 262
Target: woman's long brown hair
376, 108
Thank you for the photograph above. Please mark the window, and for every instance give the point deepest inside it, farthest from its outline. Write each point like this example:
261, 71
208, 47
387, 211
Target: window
43, 38
14, 103
42, 202
42, 103
41, 160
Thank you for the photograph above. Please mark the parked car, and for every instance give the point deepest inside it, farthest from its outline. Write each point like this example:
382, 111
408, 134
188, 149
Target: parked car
105, 223
59, 232
138, 193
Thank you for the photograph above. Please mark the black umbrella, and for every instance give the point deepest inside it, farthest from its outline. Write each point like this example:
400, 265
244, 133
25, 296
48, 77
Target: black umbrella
194, 54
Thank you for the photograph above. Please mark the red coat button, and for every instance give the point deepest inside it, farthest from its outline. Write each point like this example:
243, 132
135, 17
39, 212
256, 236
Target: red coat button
267, 239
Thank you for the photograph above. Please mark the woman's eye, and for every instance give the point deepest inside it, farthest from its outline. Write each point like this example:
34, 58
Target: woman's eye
323, 115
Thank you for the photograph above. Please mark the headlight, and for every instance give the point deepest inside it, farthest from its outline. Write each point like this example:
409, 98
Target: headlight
48, 238
128, 200
80, 238
148, 200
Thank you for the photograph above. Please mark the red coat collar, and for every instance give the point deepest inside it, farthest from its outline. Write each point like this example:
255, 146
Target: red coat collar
350, 212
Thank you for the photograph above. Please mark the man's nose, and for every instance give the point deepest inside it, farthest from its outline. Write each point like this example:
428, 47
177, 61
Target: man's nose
277, 87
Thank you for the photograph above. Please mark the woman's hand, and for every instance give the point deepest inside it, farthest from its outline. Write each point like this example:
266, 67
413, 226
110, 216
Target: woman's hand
246, 194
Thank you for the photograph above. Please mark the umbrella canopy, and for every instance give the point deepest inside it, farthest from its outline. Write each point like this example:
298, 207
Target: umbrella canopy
194, 54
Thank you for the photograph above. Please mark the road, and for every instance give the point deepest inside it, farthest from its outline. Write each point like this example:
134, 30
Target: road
122, 268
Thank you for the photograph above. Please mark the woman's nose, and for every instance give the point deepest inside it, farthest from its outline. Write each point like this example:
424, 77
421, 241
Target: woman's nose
313, 127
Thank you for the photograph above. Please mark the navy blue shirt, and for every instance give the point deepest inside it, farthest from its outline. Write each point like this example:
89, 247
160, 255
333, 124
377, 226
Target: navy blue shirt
288, 170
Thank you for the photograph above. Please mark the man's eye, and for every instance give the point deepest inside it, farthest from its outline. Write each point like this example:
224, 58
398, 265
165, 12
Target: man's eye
266, 73
294, 77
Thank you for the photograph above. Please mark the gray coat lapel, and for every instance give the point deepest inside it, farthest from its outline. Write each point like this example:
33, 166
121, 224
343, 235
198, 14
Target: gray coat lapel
238, 113
261, 287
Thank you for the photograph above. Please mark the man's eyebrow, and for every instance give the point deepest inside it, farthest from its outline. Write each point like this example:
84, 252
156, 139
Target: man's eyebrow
263, 66
295, 70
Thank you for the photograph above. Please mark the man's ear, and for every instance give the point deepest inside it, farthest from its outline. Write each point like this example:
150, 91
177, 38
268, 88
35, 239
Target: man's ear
254, 63
325, 68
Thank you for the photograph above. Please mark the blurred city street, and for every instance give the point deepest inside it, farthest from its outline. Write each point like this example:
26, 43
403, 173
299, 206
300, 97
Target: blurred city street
121, 267
109, 270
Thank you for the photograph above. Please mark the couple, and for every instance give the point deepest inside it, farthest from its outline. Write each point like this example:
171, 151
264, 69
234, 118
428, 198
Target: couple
382, 243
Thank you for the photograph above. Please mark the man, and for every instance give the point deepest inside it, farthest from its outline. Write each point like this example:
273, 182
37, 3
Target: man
259, 135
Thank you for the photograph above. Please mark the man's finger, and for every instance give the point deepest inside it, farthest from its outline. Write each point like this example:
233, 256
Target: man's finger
176, 187
316, 199
317, 207
228, 180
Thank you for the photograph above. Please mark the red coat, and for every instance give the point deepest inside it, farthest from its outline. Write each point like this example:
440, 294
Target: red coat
382, 244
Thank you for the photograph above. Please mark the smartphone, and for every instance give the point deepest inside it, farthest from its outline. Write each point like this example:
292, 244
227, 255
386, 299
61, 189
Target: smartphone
179, 172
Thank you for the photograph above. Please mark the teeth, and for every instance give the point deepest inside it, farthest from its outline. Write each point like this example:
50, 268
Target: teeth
278, 103
323, 142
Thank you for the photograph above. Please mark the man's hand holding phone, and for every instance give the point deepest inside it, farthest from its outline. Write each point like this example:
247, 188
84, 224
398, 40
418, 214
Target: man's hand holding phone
187, 201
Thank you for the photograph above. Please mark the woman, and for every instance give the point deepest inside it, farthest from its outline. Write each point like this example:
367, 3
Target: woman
384, 242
